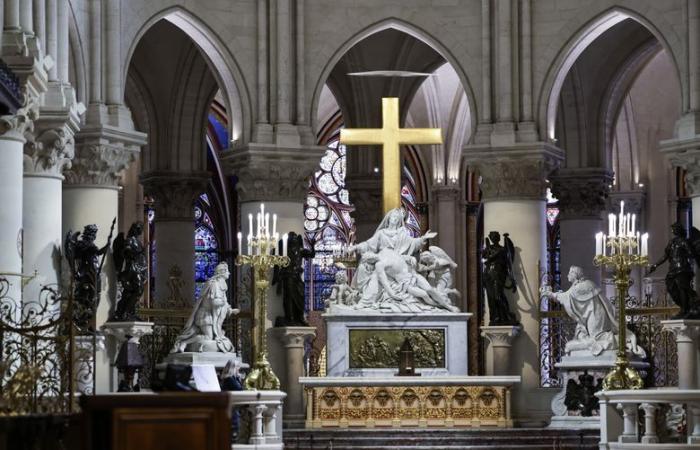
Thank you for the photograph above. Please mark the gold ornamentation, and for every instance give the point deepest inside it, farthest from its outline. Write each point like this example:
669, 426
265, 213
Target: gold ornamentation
262, 377
622, 257
424, 406
390, 136
374, 349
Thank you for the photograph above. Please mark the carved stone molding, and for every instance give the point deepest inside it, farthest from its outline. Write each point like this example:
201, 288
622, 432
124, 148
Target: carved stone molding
271, 173
634, 201
514, 173
689, 160
174, 193
99, 164
294, 337
685, 330
449, 193
49, 153
501, 335
16, 126
581, 192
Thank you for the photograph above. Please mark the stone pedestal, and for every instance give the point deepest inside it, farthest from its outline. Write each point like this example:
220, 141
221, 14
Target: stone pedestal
501, 339
86, 363
293, 340
687, 333
120, 333
360, 344
571, 368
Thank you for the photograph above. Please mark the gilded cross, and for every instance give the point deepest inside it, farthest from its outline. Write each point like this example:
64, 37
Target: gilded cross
390, 136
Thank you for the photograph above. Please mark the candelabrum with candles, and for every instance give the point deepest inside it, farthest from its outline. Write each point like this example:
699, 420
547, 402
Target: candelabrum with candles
263, 253
622, 249
344, 258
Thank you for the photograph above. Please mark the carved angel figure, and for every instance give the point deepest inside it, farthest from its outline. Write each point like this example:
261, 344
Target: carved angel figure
436, 266
130, 262
341, 292
681, 253
203, 330
498, 276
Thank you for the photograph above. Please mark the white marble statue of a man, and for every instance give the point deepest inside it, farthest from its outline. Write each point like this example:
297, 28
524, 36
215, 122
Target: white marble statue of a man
203, 330
596, 327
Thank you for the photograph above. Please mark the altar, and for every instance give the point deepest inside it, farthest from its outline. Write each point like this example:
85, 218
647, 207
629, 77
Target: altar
366, 343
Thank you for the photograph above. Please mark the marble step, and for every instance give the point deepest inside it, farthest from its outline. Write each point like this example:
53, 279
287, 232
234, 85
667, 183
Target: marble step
434, 439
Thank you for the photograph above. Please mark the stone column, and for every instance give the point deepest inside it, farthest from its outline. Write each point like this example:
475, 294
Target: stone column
12, 130
90, 196
687, 333
513, 192
687, 156
174, 195
44, 160
501, 340
278, 177
581, 194
293, 340
448, 220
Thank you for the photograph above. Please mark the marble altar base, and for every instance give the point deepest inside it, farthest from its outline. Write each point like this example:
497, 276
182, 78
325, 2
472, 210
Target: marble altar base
359, 344
217, 359
570, 368
409, 401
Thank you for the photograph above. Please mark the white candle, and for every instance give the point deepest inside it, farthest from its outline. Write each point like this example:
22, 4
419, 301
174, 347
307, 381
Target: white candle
267, 225
257, 225
598, 243
284, 244
638, 242
645, 244
250, 224
250, 241
605, 247
240, 242
634, 225
274, 224
262, 209
621, 225
611, 224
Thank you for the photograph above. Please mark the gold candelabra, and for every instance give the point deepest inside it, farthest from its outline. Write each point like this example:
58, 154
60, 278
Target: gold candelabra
261, 257
622, 250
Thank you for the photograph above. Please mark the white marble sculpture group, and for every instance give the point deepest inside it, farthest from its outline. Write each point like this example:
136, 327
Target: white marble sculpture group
393, 275
596, 325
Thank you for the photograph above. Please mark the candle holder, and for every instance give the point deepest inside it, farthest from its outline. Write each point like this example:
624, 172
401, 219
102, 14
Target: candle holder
262, 256
621, 251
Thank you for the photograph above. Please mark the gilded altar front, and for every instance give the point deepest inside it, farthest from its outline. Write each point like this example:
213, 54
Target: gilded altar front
409, 402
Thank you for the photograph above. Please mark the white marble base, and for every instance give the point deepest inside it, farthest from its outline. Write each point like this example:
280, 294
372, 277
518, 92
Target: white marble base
338, 343
134, 330
217, 359
570, 368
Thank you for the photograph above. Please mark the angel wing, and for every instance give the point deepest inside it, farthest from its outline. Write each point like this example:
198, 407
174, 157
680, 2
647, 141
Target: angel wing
574, 395
118, 251
510, 255
69, 248
695, 243
440, 253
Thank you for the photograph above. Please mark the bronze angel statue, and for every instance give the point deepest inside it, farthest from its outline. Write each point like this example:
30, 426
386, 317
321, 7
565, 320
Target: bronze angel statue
681, 253
498, 276
132, 270
85, 265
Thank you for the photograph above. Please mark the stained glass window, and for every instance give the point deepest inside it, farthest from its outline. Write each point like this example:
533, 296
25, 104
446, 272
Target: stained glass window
206, 245
555, 330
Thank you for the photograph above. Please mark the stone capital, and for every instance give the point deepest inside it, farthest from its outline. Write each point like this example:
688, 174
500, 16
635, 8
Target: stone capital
501, 335
581, 192
685, 153
18, 125
267, 172
174, 193
294, 337
132, 331
102, 152
686, 331
634, 201
517, 172
446, 193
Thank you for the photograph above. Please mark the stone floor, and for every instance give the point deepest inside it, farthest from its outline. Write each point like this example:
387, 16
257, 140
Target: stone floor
441, 439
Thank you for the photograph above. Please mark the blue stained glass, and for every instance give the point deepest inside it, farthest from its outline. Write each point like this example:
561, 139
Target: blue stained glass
206, 243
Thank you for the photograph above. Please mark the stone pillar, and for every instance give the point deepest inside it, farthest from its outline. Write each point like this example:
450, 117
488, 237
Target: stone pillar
687, 333
91, 196
44, 160
174, 196
513, 193
581, 194
293, 340
12, 129
278, 177
501, 340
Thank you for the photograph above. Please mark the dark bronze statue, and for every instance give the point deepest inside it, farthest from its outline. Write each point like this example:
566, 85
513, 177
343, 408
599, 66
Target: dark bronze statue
291, 284
680, 253
85, 265
132, 270
581, 396
498, 276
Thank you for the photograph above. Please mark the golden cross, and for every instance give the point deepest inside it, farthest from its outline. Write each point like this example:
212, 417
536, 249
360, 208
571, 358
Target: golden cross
390, 136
